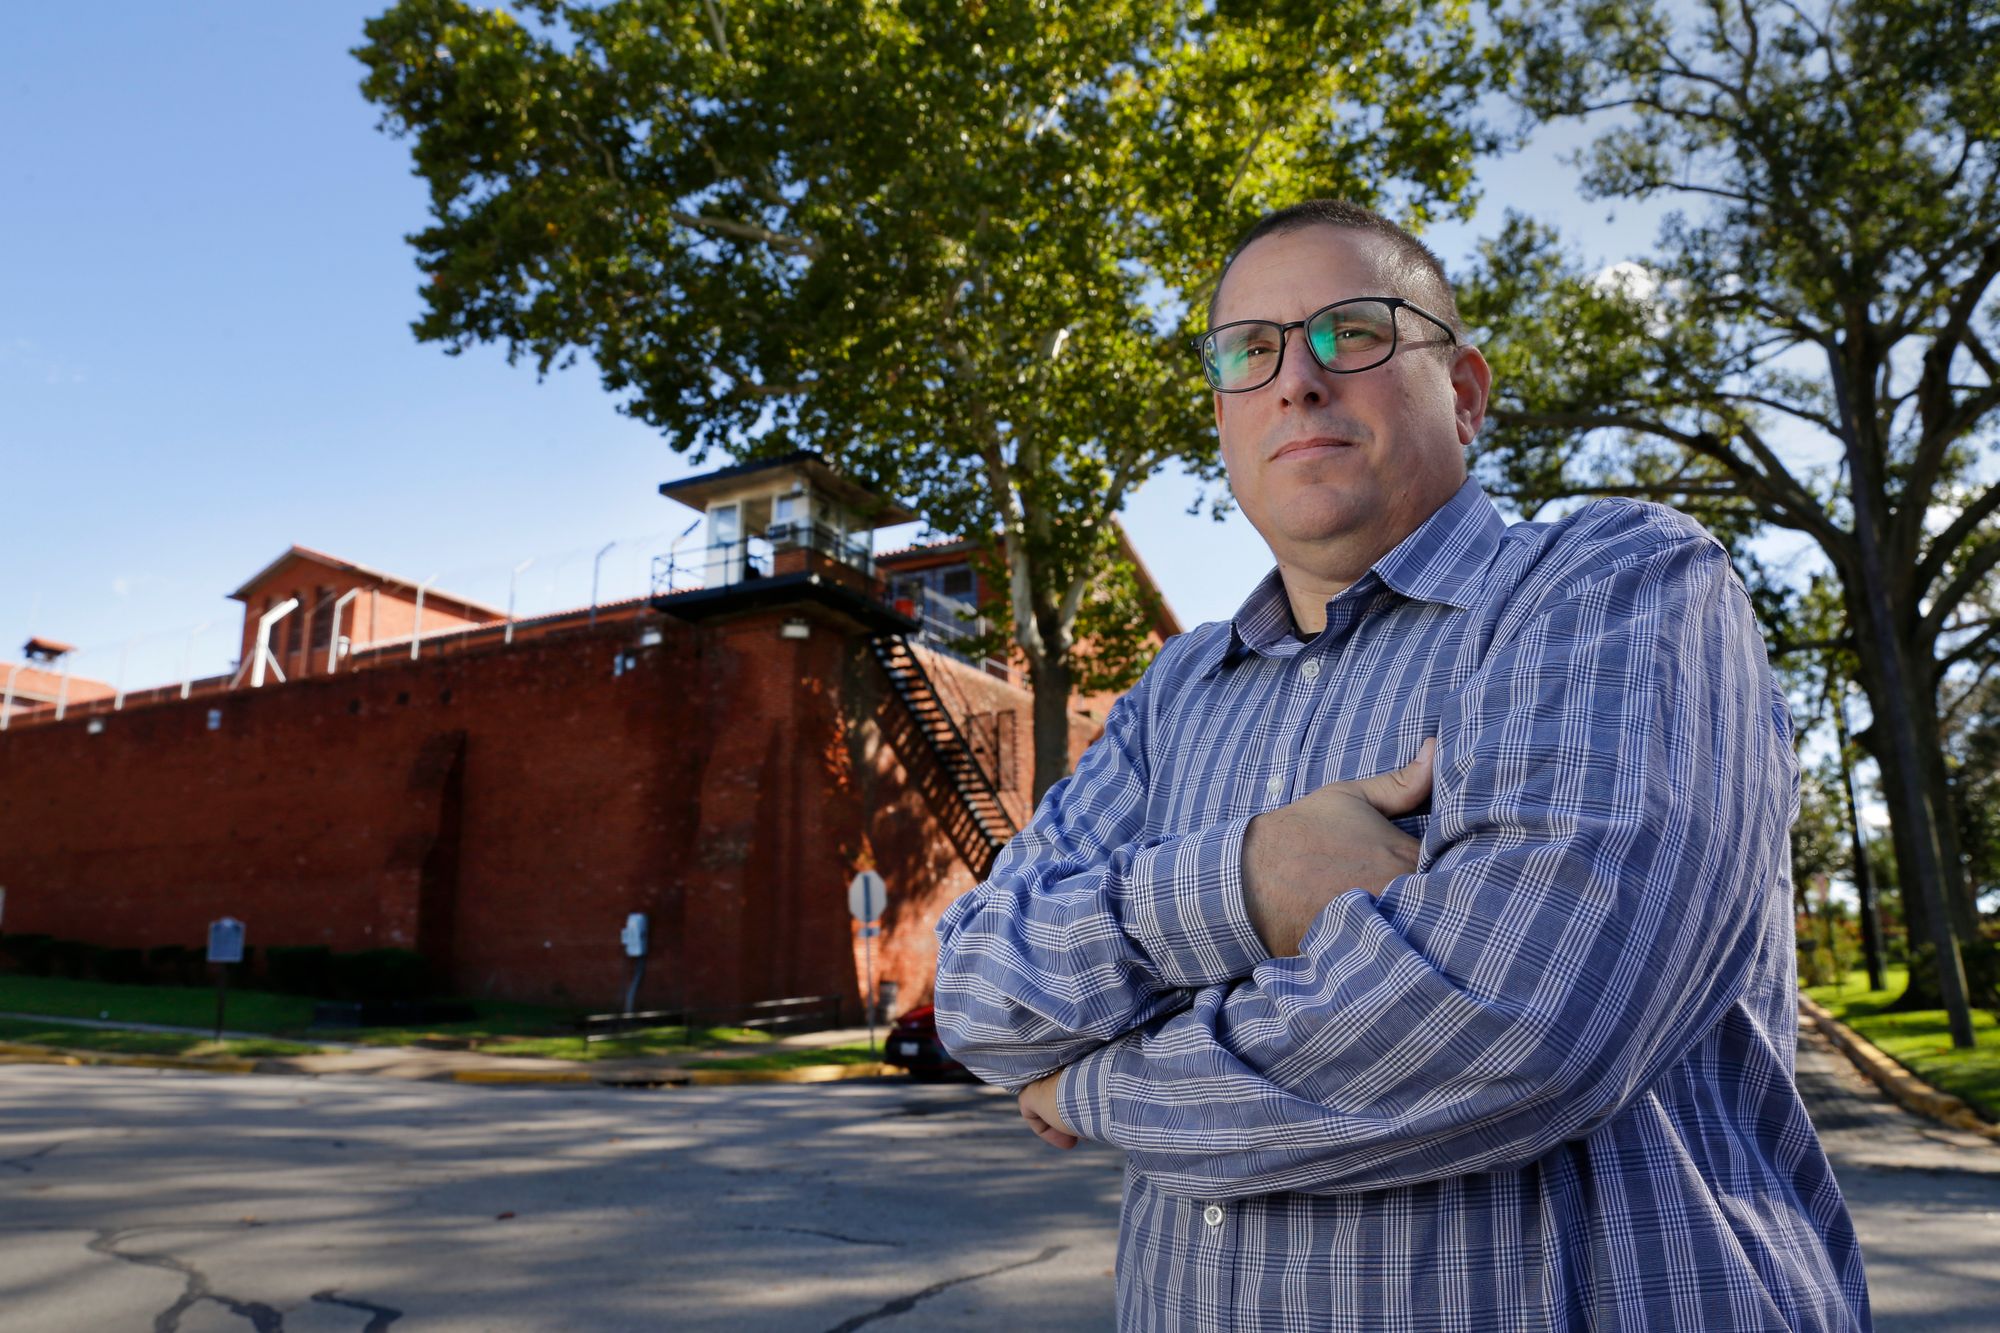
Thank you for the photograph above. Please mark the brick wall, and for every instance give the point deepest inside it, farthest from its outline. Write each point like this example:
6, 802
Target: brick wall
501, 810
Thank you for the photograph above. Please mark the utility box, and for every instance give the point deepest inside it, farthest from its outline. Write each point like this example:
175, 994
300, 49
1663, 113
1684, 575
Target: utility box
633, 937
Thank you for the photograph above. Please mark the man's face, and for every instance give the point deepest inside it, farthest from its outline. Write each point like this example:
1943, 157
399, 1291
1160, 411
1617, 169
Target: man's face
1334, 470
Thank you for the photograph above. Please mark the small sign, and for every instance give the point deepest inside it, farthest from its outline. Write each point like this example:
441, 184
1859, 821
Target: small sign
633, 937
867, 896
225, 940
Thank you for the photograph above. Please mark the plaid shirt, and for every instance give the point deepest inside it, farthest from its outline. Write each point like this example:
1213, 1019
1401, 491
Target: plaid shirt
1545, 1082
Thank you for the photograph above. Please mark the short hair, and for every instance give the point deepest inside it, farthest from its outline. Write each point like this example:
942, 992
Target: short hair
1439, 300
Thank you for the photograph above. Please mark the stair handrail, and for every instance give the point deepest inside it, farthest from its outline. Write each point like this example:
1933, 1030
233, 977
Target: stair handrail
985, 781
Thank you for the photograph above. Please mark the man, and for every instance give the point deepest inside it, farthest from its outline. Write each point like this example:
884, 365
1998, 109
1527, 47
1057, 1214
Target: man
1423, 933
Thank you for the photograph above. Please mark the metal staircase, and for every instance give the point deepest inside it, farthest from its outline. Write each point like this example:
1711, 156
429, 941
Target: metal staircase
960, 790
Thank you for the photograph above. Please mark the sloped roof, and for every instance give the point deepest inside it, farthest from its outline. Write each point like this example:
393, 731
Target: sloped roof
335, 563
33, 685
696, 491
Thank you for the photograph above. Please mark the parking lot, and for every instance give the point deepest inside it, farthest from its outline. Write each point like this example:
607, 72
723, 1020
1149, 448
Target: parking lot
178, 1202
186, 1203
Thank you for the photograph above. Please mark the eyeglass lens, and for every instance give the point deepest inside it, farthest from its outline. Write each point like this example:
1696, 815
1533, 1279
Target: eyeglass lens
1354, 335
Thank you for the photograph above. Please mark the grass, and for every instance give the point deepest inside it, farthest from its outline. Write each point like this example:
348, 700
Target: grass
179, 1006
501, 1028
144, 1043
645, 1041
1920, 1040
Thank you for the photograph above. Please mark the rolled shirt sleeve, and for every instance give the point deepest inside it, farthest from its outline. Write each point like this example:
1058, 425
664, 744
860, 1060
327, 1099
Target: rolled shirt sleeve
1608, 844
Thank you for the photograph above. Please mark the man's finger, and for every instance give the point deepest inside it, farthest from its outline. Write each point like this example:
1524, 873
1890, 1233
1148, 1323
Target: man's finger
1400, 790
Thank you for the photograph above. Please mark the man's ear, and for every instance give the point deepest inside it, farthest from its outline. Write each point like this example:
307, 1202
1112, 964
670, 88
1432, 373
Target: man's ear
1471, 382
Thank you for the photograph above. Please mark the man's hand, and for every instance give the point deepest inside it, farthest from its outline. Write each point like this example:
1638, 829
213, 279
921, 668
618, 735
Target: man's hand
1300, 857
1038, 1108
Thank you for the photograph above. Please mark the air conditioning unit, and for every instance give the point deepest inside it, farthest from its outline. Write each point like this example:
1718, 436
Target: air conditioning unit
783, 534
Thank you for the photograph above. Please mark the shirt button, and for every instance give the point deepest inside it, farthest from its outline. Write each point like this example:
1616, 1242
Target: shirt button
1311, 669
1274, 789
1212, 1215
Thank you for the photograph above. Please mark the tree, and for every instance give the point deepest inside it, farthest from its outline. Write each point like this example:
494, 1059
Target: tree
1829, 298
952, 244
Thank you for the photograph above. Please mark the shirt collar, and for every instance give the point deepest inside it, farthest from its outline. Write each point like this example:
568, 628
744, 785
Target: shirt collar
1443, 560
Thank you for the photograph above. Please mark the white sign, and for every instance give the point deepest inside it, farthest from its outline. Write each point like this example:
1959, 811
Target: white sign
633, 937
867, 896
225, 940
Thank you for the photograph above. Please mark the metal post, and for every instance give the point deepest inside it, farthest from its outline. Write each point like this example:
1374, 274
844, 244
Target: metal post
333, 644
594, 566
868, 1004
221, 996
7, 699
417, 629
264, 657
118, 696
632, 988
187, 658
512, 580
62, 688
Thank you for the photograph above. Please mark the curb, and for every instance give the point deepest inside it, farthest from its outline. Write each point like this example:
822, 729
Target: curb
22, 1053
800, 1074
1909, 1091
678, 1077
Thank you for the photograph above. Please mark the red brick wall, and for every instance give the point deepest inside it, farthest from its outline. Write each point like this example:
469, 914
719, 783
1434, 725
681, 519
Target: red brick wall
502, 809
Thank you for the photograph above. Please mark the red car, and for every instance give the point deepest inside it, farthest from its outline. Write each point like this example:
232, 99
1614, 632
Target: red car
913, 1043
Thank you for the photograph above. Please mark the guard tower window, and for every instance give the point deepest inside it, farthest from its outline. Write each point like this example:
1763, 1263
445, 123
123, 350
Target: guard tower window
957, 582
322, 617
295, 624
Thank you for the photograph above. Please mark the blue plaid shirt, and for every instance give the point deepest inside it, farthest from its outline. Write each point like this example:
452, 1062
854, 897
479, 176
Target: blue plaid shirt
1545, 1082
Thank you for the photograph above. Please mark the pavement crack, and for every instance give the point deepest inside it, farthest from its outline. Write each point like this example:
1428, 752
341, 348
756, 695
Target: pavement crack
383, 1316
21, 1163
263, 1318
830, 1235
904, 1304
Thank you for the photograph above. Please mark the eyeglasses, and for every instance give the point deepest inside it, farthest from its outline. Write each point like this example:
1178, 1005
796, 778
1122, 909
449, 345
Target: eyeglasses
1345, 337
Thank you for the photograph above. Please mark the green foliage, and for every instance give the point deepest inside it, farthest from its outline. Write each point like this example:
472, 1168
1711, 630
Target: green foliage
1813, 346
956, 246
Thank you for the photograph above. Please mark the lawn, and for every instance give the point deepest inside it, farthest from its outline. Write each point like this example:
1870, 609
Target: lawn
1921, 1039
258, 1011
143, 1043
500, 1029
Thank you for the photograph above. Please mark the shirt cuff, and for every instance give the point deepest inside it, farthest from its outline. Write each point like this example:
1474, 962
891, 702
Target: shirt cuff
1083, 1093
1186, 911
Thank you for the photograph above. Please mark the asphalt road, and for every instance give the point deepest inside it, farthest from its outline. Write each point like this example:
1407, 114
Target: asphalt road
184, 1203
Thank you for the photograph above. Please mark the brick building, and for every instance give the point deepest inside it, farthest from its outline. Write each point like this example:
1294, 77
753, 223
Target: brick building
393, 766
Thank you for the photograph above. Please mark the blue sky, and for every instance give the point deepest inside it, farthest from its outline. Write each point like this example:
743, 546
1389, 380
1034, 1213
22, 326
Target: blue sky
205, 352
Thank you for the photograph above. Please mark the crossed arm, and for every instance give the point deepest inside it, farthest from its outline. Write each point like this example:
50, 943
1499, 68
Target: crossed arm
1612, 794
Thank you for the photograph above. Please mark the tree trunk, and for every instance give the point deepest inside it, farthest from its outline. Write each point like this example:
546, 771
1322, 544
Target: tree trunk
1050, 677
1906, 746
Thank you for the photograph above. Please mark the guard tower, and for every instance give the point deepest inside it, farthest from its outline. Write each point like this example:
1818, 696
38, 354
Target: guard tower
774, 530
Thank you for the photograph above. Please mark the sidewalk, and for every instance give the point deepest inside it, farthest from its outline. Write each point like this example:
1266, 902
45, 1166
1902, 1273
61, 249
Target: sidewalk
423, 1063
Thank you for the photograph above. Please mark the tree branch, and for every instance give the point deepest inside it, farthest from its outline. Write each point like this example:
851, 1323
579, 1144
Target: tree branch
1931, 567
746, 231
1778, 490
1968, 578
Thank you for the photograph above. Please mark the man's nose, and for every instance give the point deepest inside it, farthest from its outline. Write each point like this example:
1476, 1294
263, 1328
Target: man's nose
1300, 380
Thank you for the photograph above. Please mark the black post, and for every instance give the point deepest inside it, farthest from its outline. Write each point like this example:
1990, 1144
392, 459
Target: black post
221, 995
1864, 875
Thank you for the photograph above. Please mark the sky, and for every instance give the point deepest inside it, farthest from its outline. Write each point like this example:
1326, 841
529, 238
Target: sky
205, 353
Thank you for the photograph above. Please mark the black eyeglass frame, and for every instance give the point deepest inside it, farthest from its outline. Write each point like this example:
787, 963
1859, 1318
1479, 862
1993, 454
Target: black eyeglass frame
1394, 303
